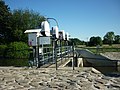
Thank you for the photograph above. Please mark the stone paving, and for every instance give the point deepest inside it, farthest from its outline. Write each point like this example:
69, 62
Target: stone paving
12, 78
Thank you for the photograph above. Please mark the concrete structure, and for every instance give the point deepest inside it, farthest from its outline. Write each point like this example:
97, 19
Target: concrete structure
96, 60
118, 66
79, 62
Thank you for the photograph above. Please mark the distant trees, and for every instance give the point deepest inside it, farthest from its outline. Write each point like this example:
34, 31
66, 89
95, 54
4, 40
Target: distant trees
76, 41
94, 41
109, 38
117, 39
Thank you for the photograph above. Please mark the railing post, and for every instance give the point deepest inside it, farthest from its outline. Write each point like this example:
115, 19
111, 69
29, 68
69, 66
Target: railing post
56, 54
34, 55
61, 50
38, 62
73, 57
53, 47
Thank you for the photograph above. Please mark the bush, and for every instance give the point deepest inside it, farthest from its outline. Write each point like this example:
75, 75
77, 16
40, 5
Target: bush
3, 50
17, 50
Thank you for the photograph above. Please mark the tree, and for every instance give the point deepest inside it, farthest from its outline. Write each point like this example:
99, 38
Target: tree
5, 23
95, 41
109, 38
23, 20
117, 39
99, 41
76, 41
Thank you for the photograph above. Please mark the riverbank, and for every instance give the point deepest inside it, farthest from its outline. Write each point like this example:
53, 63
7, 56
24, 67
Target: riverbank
85, 78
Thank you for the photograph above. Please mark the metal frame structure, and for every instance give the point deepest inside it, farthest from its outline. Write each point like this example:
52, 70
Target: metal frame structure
52, 53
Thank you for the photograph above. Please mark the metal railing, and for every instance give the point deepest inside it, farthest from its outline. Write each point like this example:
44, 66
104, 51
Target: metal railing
50, 55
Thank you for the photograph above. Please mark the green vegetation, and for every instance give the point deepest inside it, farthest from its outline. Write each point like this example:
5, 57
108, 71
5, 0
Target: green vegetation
94, 41
5, 23
102, 49
17, 50
117, 39
13, 40
109, 38
3, 50
14, 23
14, 54
76, 41
14, 62
23, 20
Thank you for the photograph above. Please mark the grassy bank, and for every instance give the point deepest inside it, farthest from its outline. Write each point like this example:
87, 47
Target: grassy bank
102, 49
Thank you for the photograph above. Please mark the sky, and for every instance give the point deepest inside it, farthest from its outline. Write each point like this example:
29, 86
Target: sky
80, 18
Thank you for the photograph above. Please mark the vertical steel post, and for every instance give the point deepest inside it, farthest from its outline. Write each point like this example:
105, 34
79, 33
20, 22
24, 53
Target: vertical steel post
38, 62
36, 56
56, 54
43, 54
73, 57
53, 46
61, 50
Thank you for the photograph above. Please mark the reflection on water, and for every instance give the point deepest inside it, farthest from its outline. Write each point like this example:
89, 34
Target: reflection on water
14, 62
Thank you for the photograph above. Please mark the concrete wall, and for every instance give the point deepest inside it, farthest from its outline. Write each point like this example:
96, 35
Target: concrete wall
95, 60
118, 66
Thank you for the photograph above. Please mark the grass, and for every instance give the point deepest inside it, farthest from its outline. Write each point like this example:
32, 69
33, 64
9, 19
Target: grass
102, 49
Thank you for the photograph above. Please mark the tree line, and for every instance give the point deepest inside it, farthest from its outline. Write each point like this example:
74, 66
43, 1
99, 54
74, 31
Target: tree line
109, 38
13, 41
14, 23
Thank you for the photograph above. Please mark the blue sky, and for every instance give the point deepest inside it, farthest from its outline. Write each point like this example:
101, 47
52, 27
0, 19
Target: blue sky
80, 18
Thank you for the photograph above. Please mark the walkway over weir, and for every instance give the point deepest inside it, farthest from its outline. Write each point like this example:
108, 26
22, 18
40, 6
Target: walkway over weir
71, 57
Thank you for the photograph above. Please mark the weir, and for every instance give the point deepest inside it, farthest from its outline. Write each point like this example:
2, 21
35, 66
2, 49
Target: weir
101, 63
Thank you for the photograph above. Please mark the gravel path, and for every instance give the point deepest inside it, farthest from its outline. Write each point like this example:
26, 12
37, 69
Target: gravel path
49, 79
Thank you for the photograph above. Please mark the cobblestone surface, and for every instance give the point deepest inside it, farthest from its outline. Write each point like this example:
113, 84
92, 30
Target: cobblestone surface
12, 78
